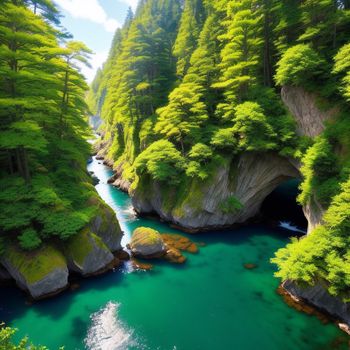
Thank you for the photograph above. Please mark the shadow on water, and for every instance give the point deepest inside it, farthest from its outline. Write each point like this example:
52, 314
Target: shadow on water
55, 307
281, 205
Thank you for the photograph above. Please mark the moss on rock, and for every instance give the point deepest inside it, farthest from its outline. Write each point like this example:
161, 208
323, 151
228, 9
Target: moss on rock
34, 266
42, 272
146, 242
105, 225
87, 253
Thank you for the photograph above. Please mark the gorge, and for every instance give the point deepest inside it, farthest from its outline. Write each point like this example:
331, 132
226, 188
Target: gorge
205, 111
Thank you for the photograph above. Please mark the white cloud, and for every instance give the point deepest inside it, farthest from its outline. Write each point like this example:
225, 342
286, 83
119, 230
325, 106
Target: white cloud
96, 62
132, 3
90, 10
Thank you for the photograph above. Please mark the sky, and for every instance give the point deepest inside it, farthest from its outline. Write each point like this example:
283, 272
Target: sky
94, 23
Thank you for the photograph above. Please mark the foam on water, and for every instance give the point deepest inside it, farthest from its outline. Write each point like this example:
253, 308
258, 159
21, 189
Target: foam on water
107, 331
129, 213
289, 226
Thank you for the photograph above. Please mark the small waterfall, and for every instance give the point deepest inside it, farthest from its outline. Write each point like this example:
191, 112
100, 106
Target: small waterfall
107, 332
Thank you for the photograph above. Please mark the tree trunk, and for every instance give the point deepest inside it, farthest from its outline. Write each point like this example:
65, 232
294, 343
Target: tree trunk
26, 171
19, 162
10, 162
22, 163
64, 101
267, 48
182, 146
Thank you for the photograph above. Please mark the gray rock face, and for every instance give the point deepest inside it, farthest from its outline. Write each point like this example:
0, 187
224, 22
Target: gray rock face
122, 184
320, 298
92, 257
106, 226
302, 105
250, 179
314, 214
51, 283
255, 177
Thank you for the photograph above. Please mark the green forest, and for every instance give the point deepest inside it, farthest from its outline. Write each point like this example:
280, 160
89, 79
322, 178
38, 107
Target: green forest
188, 86
44, 187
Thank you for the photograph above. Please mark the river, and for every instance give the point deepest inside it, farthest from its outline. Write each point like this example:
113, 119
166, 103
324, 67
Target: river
211, 302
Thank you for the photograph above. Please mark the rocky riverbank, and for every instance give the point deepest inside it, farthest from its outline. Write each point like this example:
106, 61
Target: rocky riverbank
45, 272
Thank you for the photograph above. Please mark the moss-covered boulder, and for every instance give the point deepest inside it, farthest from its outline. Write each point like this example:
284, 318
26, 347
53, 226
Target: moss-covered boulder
42, 272
87, 254
105, 225
147, 243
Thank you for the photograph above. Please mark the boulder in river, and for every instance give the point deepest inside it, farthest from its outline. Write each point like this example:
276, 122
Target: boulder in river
42, 272
106, 225
147, 243
87, 254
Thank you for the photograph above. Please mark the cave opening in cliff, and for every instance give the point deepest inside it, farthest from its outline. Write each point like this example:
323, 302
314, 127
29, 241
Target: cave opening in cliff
281, 206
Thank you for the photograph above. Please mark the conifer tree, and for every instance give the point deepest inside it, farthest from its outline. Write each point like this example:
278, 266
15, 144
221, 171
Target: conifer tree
43, 151
241, 54
190, 26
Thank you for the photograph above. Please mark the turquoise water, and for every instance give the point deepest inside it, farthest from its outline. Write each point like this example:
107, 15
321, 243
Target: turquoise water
211, 302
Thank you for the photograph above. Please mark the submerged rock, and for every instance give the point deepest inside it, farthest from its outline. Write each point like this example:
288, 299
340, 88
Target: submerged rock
122, 255
42, 273
174, 256
147, 243
180, 242
138, 265
250, 266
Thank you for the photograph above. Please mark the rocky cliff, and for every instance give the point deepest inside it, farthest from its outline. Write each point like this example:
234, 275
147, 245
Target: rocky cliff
303, 106
249, 178
44, 272
319, 297
206, 204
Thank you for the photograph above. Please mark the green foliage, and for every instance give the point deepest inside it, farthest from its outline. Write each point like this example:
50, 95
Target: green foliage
320, 170
189, 30
7, 342
44, 187
342, 66
29, 239
224, 139
299, 66
162, 161
323, 255
252, 129
200, 152
231, 205
182, 118
189, 83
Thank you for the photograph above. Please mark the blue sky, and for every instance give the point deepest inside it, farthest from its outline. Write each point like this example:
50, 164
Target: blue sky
94, 22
